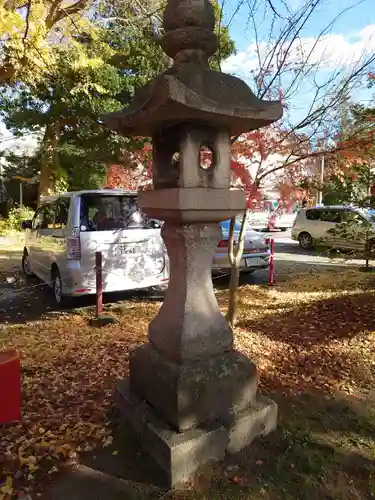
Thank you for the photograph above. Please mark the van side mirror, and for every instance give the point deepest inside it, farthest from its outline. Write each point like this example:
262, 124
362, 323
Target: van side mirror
26, 224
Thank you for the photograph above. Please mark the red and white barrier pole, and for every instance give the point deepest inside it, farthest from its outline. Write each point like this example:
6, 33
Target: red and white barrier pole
272, 262
99, 283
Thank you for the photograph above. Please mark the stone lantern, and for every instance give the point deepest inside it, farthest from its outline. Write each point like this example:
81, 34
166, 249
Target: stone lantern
191, 397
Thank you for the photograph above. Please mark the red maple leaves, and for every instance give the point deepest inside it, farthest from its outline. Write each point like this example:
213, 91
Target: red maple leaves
256, 157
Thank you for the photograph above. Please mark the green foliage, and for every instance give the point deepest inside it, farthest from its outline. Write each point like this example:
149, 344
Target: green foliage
68, 105
337, 191
357, 231
16, 216
353, 187
350, 172
29, 31
105, 59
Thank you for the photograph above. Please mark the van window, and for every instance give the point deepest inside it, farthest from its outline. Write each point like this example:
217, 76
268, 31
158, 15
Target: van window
312, 214
331, 216
44, 217
61, 213
111, 212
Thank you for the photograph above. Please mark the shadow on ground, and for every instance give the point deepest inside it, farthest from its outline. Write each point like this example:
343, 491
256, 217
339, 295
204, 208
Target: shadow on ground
322, 450
319, 322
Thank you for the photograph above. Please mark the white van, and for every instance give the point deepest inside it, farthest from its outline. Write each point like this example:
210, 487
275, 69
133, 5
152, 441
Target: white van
68, 229
312, 226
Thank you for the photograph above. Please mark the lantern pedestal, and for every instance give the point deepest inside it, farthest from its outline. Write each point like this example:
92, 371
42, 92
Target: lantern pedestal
191, 396
181, 454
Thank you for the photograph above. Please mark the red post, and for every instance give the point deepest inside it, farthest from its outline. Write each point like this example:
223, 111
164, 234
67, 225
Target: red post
10, 386
272, 262
99, 283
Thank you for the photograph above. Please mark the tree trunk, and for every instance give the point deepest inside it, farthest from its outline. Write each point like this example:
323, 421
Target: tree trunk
232, 298
49, 162
235, 261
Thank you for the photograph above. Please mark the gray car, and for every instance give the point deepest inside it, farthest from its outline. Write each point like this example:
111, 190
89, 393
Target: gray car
256, 251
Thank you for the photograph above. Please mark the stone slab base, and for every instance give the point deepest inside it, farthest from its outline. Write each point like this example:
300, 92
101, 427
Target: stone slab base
188, 395
179, 455
259, 420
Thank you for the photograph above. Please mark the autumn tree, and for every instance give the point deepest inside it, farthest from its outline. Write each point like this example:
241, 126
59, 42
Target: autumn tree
29, 31
95, 71
282, 63
350, 173
257, 162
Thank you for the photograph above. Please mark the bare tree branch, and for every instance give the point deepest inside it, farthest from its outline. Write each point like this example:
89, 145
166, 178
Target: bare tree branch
27, 21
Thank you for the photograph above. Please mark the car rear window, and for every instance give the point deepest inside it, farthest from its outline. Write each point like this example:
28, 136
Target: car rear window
225, 225
111, 212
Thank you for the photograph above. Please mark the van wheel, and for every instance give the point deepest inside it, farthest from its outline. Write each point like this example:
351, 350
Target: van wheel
57, 287
26, 264
305, 241
62, 301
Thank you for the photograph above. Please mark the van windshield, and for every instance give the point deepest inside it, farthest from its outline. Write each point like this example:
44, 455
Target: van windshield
111, 212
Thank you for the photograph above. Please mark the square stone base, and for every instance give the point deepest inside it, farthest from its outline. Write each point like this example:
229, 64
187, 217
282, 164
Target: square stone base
181, 455
186, 396
258, 420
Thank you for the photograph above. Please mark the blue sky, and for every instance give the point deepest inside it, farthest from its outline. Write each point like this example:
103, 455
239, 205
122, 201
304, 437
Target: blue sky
350, 37
363, 14
352, 33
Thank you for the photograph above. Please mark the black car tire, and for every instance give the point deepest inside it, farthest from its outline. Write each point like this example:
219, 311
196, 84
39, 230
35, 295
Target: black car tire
25, 267
306, 241
62, 301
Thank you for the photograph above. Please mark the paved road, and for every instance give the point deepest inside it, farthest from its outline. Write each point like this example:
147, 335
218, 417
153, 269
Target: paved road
287, 250
20, 300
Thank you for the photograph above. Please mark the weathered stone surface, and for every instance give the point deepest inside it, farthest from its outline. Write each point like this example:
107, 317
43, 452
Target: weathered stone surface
189, 91
179, 454
189, 373
192, 205
176, 157
258, 420
186, 94
189, 325
180, 14
189, 395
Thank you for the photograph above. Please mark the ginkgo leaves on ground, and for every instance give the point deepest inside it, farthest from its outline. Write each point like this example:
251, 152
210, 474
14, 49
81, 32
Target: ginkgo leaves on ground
313, 333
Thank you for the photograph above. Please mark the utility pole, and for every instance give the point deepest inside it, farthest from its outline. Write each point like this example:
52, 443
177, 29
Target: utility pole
320, 193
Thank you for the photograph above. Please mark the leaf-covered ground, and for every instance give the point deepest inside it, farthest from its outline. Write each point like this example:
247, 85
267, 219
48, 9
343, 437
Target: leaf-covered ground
313, 340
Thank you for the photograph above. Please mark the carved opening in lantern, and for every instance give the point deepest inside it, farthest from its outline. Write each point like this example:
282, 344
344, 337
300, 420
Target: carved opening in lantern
207, 157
